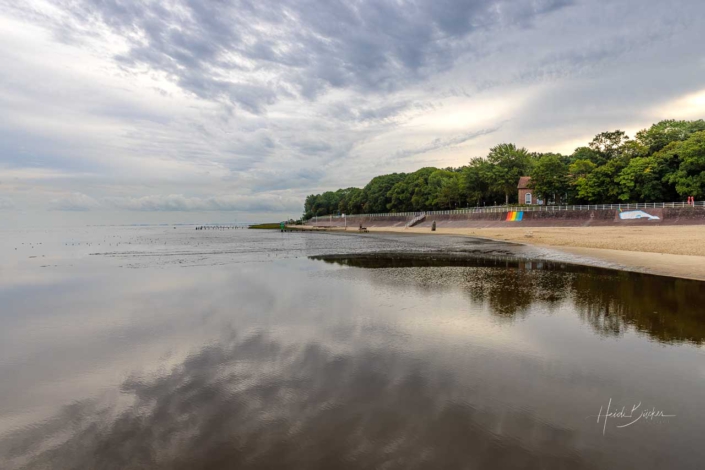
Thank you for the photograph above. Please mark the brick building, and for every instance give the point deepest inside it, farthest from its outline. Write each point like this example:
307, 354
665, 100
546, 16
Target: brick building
525, 193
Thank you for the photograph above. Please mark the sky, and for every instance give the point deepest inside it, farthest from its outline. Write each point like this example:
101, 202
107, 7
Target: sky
232, 111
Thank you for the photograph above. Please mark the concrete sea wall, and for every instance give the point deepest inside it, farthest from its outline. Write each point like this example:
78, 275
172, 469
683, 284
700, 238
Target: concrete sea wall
563, 218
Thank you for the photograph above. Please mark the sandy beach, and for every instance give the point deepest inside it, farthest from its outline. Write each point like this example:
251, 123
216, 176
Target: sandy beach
674, 240
677, 251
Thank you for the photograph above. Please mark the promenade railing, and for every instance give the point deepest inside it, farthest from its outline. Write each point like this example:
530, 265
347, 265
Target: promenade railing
518, 208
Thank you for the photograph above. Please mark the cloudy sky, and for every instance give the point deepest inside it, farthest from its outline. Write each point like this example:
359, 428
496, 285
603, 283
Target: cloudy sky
122, 111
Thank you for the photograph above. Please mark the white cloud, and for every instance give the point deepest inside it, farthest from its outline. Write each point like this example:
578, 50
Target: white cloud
6, 204
74, 202
176, 202
251, 106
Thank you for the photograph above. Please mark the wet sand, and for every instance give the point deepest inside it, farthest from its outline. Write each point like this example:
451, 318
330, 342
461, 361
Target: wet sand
677, 251
682, 266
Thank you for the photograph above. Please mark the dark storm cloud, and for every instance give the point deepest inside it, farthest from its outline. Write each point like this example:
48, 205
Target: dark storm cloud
232, 51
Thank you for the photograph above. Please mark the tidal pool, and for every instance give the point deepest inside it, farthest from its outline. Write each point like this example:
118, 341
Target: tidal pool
169, 348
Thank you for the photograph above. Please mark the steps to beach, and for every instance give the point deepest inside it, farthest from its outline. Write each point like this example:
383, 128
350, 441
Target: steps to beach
416, 220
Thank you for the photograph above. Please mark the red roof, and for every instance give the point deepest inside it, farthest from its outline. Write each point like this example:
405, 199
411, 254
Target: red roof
524, 182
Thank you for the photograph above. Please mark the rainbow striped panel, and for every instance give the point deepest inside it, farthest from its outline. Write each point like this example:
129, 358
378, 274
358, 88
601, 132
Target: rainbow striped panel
515, 216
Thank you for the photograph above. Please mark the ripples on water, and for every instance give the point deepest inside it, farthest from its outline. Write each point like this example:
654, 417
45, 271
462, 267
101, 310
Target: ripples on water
172, 348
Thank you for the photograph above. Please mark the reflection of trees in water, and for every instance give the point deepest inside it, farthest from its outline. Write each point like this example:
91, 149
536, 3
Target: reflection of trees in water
667, 309
259, 404
508, 286
510, 292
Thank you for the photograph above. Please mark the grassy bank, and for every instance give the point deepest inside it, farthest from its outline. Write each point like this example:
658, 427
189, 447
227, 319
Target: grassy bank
272, 226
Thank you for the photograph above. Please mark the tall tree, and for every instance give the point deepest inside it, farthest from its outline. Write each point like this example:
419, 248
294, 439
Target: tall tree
509, 163
347, 203
579, 171
642, 180
410, 193
598, 187
609, 145
549, 177
690, 176
476, 180
377, 191
444, 189
663, 133
586, 154
357, 200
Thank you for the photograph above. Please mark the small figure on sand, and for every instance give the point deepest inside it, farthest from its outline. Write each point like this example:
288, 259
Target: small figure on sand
433, 227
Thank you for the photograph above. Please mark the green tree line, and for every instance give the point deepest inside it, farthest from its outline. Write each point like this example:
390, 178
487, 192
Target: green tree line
665, 162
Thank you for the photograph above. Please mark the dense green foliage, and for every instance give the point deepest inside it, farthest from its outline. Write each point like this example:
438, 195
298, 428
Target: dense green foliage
663, 163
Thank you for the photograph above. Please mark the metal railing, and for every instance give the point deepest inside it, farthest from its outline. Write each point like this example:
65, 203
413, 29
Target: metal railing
517, 208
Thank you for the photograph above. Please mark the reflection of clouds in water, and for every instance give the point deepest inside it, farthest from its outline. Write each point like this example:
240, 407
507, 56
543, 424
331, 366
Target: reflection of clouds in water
261, 404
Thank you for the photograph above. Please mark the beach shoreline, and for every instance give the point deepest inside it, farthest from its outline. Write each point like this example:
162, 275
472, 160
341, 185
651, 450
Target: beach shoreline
674, 251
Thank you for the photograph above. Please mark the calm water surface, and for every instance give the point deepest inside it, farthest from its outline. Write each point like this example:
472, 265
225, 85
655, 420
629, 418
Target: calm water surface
162, 348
